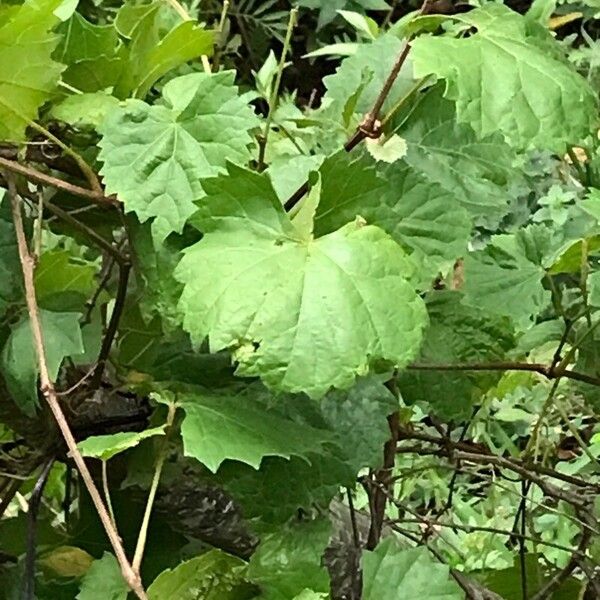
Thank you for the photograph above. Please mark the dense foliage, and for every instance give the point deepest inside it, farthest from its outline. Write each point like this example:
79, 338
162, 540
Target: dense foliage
299, 301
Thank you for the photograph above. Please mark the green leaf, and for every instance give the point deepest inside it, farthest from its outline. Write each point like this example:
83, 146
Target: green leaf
210, 576
155, 156
255, 286
104, 581
593, 285
105, 447
393, 573
84, 41
365, 72
329, 8
62, 281
358, 418
281, 487
506, 278
93, 53
150, 56
26, 41
476, 172
85, 110
457, 334
62, 338
420, 215
217, 428
289, 560
508, 582
10, 267
502, 79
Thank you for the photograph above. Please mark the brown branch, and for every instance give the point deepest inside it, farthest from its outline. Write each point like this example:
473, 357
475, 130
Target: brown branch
49, 392
547, 371
39, 177
100, 241
448, 446
113, 324
382, 481
370, 126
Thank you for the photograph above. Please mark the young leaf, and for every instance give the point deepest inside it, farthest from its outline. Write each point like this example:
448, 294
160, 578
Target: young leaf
105, 447
210, 576
103, 581
28, 75
155, 156
217, 428
255, 286
502, 79
62, 338
391, 573
85, 110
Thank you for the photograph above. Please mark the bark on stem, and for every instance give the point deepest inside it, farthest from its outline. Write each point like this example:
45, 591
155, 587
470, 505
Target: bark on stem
49, 392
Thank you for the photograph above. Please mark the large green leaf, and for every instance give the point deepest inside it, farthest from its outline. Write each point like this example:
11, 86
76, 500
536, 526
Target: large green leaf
62, 338
281, 487
476, 172
155, 156
419, 214
28, 75
266, 289
393, 573
506, 277
457, 334
503, 79
289, 560
210, 576
103, 581
217, 428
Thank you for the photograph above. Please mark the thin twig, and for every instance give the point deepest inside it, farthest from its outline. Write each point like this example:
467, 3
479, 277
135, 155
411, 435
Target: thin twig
106, 490
97, 197
542, 369
32, 516
85, 169
49, 392
160, 461
95, 237
264, 138
113, 324
182, 12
